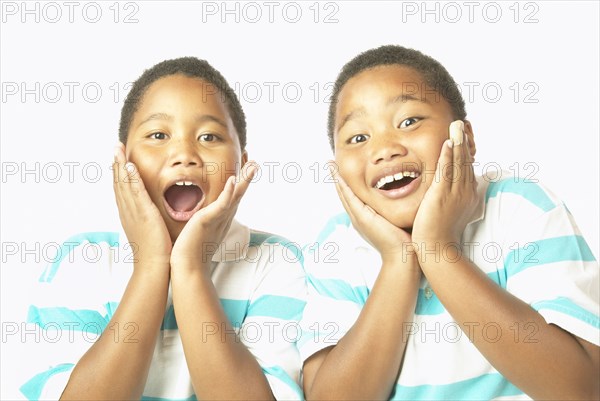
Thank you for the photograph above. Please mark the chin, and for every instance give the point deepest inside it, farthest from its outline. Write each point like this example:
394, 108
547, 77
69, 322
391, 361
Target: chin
175, 230
404, 221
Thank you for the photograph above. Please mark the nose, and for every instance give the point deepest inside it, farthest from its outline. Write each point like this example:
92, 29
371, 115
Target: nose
386, 147
183, 152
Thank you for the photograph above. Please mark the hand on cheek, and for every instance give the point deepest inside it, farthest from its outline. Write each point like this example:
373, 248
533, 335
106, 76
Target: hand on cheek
393, 243
143, 224
204, 232
451, 197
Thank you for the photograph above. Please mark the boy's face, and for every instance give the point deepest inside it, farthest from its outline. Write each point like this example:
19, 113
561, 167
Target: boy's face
182, 134
389, 124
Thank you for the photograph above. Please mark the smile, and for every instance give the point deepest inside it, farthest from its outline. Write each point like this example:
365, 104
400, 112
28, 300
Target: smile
395, 181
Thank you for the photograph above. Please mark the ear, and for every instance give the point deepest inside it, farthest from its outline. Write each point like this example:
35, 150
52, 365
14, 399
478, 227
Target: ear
470, 136
126, 149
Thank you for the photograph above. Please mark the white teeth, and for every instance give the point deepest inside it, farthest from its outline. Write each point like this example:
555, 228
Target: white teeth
184, 183
396, 177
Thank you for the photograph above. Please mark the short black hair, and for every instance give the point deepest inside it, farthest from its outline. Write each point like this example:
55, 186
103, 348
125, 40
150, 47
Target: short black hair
191, 67
433, 73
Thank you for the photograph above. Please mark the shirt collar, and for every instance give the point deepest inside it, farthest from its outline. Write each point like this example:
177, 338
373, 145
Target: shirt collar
479, 210
234, 245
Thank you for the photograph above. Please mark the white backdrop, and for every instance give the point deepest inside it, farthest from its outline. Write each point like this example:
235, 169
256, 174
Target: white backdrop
528, 70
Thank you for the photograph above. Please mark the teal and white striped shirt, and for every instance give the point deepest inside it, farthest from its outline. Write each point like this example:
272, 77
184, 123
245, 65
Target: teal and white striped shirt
259, 279
520, 235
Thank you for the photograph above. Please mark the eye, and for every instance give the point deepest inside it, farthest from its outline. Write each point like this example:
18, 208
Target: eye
207, 138
408, 122
358, 138
158, 135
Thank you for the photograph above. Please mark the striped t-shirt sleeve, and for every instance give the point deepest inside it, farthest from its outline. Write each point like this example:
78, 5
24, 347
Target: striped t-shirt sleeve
546, 261
70, 308
337, 291
271, 327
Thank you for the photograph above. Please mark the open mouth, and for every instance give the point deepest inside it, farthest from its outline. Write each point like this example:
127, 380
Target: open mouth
183, 199
396, 181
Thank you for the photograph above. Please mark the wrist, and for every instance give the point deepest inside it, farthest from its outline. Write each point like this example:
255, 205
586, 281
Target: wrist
401, 273
146, 256
151, 277
406, 260
436, 252
187, 268
398, 258
152, 265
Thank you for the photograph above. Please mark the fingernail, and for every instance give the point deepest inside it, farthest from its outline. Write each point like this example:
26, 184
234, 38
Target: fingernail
130, 167
450, 143
457, 129
252, 173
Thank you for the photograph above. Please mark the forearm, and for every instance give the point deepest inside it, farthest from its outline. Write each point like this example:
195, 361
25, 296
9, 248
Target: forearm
366, 361
116, 366
220, 365
543, 360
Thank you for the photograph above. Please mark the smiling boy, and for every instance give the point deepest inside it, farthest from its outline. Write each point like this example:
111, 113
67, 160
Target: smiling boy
415, 308
208, 298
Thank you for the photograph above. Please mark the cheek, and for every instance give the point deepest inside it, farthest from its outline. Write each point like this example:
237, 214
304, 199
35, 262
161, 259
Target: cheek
229, 163
347, 167
146, 160
428, 152
352, 171
148, 172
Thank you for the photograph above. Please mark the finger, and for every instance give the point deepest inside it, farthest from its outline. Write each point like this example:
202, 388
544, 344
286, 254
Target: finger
460, 158
120, 152
333, 170
444, 169
118, 163
245, 179
124, 172
339, 184
118, 172
248, 171
346, 193
359, 212
463, 162
222, 202
344, 201
357, 208
129, 186
468, 169
134, 183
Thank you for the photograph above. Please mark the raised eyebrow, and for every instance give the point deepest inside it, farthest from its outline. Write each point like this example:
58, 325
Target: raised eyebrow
200, 119
207, 117
405, 98
351, 116
396, 99
156, 116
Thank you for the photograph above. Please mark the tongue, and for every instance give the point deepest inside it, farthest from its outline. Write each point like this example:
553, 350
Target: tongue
183, 198
397, 184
